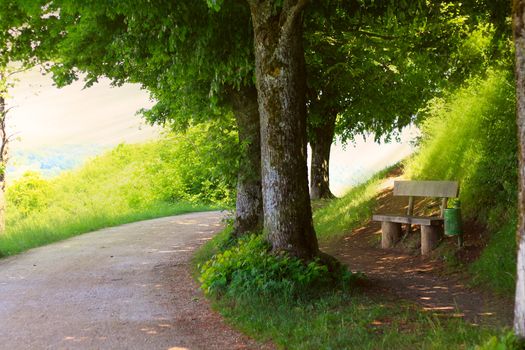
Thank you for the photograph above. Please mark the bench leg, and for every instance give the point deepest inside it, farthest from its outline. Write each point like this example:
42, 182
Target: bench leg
390, 234
430, 236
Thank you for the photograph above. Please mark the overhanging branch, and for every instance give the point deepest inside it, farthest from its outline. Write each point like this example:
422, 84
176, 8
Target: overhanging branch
378, 35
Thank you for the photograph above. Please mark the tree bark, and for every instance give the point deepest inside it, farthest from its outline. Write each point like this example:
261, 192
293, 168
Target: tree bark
281, 87
321, 142
3, 160
248, 207
518, 15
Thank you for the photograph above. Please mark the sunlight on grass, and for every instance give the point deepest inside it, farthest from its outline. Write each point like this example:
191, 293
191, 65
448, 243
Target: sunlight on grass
41, 230
470, 136
344, 214
174, 175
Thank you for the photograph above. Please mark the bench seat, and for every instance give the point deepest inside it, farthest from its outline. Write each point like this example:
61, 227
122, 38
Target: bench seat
407, 219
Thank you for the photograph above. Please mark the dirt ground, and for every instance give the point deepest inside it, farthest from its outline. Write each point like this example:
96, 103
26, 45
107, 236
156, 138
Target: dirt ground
127, 287
403, 273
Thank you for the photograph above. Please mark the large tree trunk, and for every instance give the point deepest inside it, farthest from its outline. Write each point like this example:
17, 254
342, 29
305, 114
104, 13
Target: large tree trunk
321, 142
249, 212
519, 40
281, 85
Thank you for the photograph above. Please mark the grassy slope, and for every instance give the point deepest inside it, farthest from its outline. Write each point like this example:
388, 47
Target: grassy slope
40, 231
470, 136
129, 183
342, 215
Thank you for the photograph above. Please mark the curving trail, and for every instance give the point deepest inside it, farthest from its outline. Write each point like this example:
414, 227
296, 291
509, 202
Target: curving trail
127, 287
395, 274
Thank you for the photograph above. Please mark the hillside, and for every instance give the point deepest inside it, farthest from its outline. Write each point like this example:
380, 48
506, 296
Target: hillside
175, 174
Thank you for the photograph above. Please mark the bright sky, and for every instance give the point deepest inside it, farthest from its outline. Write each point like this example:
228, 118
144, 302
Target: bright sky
44, 116
355, 163
57, 129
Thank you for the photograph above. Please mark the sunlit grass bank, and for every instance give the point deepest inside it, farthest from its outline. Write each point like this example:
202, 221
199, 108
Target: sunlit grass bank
342, 215
470, 136
180, 173
41, 230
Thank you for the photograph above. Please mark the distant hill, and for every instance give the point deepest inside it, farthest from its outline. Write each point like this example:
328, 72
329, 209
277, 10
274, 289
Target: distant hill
51, 161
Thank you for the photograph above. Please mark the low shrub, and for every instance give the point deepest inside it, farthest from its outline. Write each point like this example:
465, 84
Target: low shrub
506, 341
248, 268
29, 194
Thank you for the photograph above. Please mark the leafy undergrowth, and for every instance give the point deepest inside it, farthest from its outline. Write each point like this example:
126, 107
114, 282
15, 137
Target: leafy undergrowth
179, 173
297, 307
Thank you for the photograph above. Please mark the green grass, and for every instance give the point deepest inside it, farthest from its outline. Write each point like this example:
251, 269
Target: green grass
497, 265
348, 320
470, 136
342, 215
343, 319
38, 231
352, 318
176, 174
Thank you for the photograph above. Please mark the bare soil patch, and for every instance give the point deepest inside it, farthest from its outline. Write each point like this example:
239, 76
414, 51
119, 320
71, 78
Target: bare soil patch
403, 274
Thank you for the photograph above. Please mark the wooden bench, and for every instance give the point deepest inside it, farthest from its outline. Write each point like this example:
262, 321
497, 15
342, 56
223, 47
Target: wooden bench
431, 226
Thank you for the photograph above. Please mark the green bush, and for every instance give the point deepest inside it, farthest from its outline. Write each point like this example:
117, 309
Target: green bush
199, 165
29, 194
249, 269
506, 341
182, 172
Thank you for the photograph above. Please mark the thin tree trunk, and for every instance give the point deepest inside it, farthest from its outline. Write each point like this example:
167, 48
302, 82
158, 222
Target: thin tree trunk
519, 40
321, 142
3, 161
249, 212
281, 85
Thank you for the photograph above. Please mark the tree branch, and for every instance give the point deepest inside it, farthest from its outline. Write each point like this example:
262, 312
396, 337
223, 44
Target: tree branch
294, 12
377, 35
17, 71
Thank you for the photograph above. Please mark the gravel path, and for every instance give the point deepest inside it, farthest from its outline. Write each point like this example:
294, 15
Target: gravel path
127, 287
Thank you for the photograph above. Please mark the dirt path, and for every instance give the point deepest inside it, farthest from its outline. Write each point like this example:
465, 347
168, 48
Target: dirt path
394, 274
127, 287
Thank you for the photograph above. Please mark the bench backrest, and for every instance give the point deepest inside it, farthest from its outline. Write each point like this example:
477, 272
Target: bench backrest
443, 189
